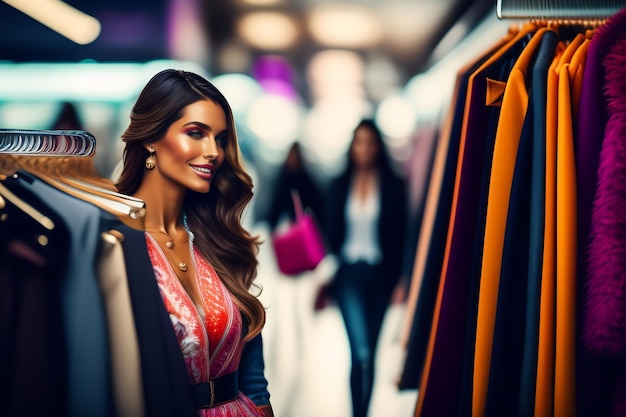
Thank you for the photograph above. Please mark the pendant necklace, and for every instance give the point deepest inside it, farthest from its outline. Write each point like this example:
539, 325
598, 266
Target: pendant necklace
170, 245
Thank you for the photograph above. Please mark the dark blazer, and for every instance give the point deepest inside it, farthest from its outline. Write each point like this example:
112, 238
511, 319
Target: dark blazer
391, 223
31, 317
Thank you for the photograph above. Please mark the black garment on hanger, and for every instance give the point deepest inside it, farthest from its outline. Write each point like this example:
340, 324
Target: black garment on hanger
33, 358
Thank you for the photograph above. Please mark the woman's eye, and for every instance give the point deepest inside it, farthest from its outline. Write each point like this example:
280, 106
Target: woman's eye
221, 140
195, 134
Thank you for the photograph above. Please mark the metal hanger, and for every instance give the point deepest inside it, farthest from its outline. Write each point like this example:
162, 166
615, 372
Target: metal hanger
63, 159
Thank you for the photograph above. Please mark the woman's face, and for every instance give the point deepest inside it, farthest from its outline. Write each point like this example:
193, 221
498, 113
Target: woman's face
364, 148
192, 150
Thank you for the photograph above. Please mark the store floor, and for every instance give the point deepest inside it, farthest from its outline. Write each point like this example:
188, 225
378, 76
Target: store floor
307, 354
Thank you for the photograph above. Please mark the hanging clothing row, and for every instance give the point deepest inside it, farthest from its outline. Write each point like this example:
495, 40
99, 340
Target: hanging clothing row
47, 142
76, 337
520, 281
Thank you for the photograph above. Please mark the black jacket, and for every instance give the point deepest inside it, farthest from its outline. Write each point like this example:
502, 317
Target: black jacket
392, 222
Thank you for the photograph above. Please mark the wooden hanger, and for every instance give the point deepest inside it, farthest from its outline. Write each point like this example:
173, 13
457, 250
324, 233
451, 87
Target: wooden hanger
52, 170
63, 159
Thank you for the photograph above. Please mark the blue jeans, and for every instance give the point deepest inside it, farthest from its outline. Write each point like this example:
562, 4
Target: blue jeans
363, 303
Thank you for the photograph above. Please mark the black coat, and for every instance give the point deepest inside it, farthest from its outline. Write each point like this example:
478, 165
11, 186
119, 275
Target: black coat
392, 223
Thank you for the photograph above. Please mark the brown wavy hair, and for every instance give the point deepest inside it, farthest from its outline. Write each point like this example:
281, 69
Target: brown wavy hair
213, 217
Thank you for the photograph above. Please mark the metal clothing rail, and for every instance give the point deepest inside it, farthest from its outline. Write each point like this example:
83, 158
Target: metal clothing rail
558, 9
47, 142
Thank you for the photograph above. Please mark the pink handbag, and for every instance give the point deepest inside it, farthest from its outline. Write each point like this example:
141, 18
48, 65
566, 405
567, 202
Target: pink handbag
301, 247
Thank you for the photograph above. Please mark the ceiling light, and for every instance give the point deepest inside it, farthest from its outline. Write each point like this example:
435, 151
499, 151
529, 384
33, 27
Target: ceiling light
241, 90
275, 119
344, 26
396, 118
60, 17
335, 73
261, 2
268, 30
109, 82
403, 33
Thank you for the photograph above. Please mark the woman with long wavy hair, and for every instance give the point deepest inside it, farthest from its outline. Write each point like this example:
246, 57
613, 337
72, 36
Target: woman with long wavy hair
183, 160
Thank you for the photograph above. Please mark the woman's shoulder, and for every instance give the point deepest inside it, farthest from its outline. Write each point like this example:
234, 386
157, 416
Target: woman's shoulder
391, 177
338, 186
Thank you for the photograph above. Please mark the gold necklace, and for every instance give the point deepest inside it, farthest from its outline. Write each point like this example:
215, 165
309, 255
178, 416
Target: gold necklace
170, 245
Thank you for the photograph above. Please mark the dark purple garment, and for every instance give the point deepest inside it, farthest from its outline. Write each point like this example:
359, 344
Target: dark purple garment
601, 171
605, 320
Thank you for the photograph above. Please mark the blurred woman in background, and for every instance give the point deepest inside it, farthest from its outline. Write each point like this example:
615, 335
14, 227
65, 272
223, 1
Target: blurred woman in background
366, 227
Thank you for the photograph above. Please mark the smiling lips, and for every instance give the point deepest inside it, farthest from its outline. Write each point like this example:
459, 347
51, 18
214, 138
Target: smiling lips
204, 171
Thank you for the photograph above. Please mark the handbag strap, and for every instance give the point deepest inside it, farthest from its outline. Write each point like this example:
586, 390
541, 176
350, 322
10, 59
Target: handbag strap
297, 203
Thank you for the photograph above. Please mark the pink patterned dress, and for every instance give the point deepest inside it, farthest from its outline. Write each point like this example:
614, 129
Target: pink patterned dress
209, 335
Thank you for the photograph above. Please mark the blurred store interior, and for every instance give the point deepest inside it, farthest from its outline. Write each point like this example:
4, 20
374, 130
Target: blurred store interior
302, 70
292, 70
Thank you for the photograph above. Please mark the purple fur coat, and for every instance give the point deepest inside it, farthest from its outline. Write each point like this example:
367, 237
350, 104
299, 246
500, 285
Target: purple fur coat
603, 326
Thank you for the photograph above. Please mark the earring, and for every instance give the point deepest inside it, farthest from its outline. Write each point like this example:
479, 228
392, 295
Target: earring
151, 160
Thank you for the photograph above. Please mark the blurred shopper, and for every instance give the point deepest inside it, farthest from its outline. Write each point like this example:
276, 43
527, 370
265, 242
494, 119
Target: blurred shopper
294, 296
293, 175
67, 117
366, 227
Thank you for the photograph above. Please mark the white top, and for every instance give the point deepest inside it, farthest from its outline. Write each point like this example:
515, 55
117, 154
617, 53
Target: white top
361, 242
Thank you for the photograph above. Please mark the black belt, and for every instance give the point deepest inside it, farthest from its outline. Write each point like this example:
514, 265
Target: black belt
216, 391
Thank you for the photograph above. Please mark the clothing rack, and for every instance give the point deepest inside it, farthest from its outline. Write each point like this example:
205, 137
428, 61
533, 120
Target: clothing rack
558, 9
55, 142
524, 332
64, 159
